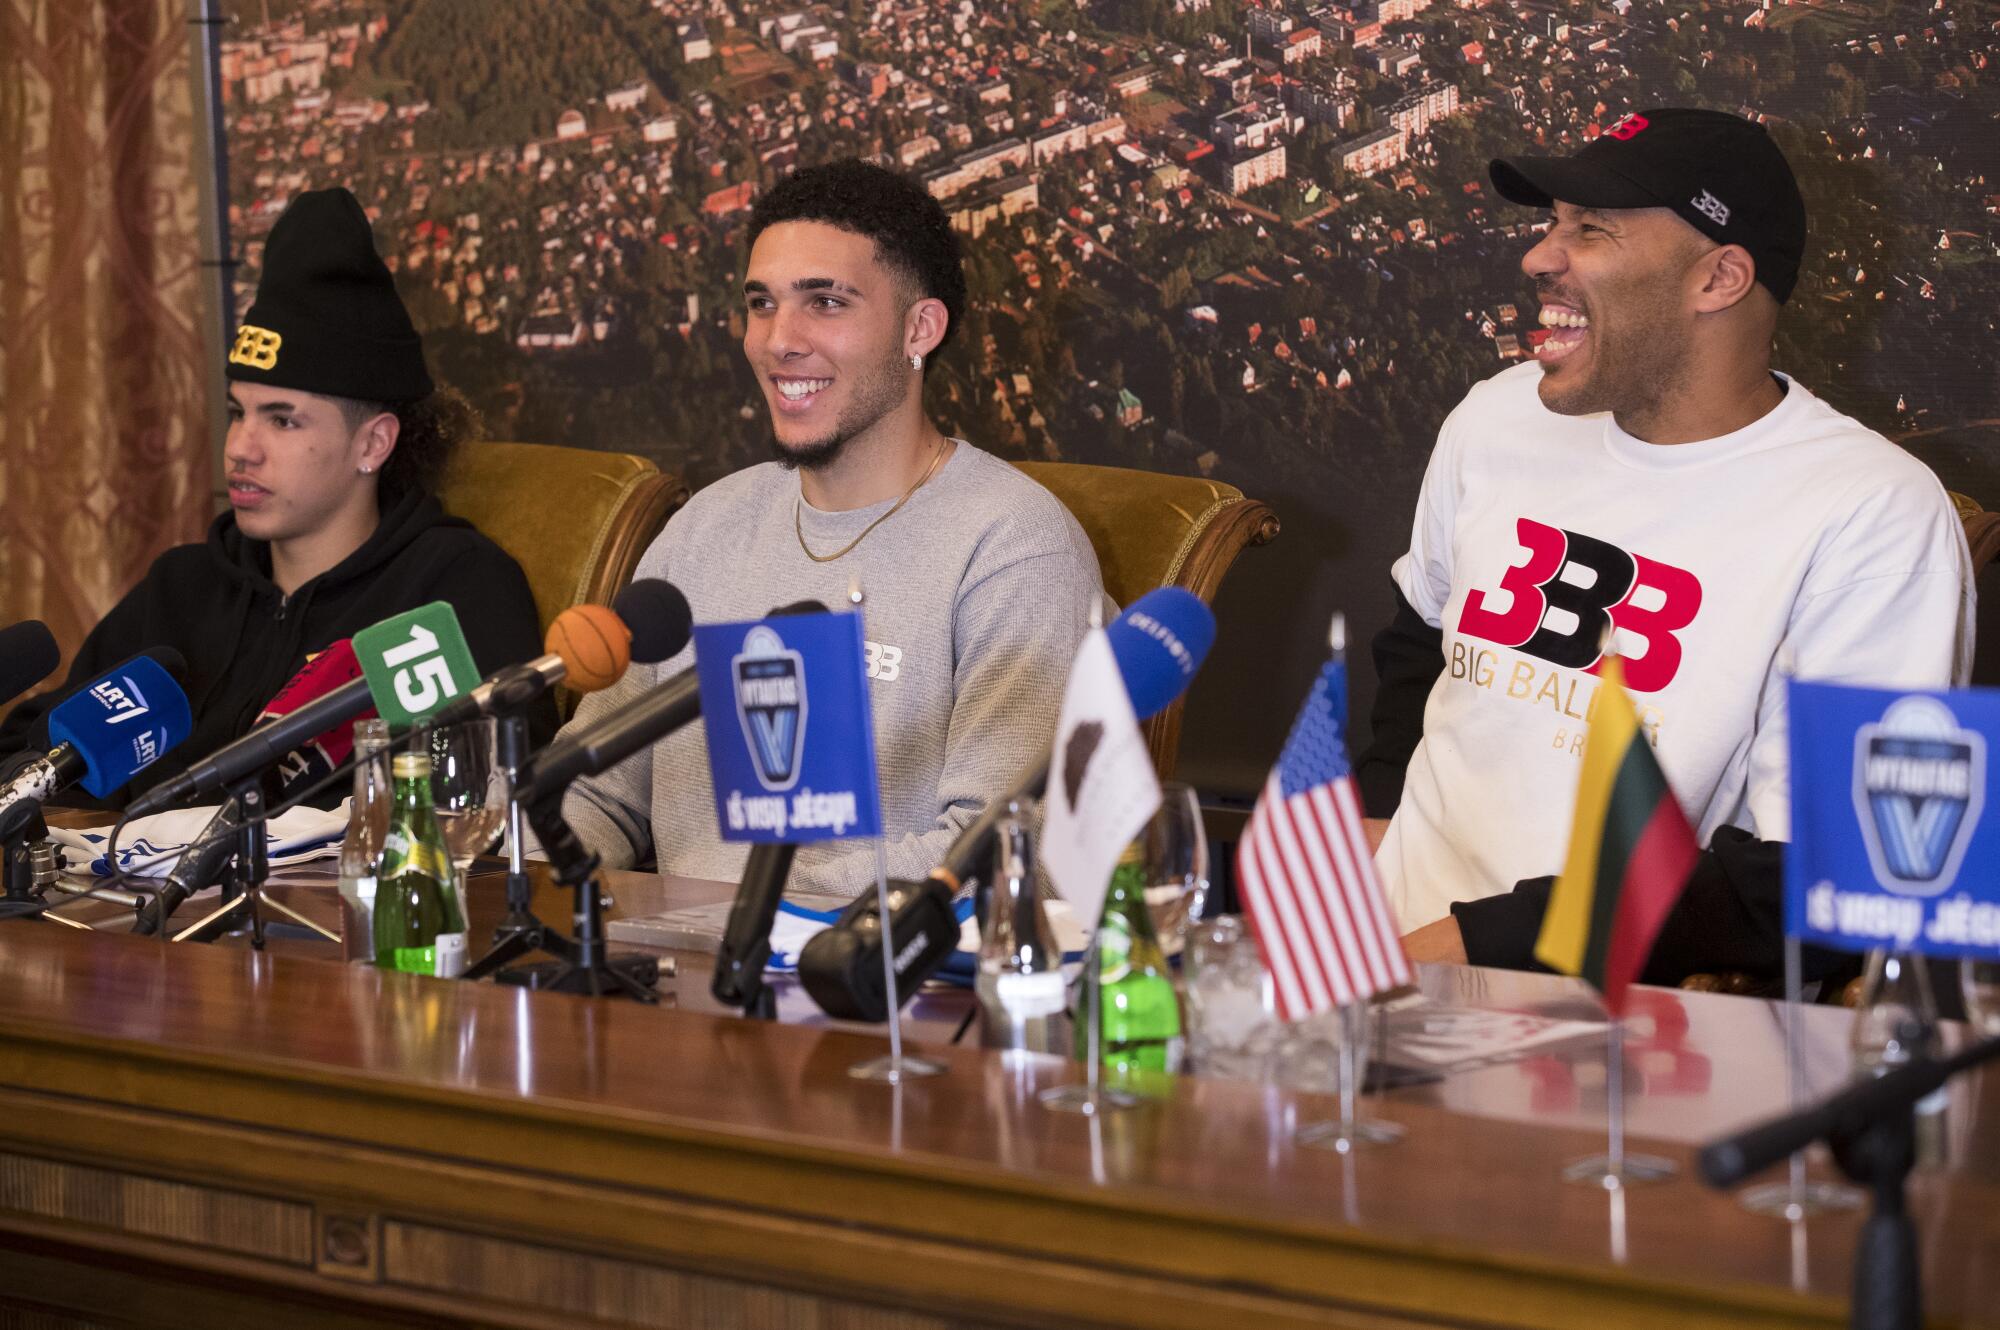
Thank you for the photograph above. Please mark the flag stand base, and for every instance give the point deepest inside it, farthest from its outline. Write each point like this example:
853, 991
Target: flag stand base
1781, 1200
895, 1069
1348, 1137
1089, 1098
1350, 1131
1608, 1174
1086, 1100
1795, 1198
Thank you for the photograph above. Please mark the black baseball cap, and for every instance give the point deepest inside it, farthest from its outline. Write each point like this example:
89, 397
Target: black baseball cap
327, 318
1720, 173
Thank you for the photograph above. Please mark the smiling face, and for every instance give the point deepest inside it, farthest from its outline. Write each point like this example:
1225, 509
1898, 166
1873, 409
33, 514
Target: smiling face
826, 335
293, 462
1614, 287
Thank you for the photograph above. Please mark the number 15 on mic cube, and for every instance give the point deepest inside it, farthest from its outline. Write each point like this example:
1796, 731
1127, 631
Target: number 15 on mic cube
415, 663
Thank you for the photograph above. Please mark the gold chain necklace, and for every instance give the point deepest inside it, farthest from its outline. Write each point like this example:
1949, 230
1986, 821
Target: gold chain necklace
798, 520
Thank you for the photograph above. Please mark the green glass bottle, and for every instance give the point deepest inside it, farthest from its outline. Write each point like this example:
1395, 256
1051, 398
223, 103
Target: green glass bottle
1140, 1025
419, 927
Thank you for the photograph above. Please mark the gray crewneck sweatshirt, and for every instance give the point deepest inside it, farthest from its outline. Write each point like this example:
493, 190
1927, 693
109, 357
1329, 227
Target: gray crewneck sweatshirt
977, 595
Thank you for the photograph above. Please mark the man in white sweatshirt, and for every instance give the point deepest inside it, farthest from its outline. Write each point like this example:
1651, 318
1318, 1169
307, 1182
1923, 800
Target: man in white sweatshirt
1651, 475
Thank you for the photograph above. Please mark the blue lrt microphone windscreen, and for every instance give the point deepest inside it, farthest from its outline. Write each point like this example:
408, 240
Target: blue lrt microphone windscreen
28, 655
122, 722
1160, 641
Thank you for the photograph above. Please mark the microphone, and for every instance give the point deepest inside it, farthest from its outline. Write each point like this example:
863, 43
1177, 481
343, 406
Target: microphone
28, 655
1838, 1120
316, 757
659, 617
261, 747
841, 965
1159, 642
738, 979
423, 680
104, 734
199, 865
616, 737
588, 647
310, 760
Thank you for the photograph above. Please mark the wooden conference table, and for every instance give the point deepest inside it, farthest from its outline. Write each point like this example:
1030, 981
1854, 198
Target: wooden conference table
203, 1136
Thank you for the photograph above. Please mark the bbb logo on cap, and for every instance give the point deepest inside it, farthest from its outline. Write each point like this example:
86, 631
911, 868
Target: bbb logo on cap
1628, 127
1710, 207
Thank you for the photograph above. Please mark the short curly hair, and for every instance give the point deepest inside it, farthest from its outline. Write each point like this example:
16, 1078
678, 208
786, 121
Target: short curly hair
911, 232
431, 429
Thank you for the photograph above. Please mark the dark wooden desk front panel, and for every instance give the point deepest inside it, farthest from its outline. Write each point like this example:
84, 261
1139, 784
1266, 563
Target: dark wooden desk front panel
205, 1136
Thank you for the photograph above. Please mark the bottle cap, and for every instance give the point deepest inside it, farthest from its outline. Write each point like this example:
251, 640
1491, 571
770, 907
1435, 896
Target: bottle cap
411, 766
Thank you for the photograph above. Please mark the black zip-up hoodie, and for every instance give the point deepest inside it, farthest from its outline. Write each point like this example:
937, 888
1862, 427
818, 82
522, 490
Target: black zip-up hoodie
244, 639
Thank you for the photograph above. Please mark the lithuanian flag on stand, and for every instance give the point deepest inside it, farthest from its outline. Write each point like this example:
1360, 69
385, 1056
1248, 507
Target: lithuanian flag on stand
1630, 853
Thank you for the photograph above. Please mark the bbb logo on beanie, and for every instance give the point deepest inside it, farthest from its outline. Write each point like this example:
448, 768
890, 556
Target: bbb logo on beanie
256, 348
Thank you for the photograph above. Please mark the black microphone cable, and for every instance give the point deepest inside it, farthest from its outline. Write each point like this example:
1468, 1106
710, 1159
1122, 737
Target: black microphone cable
126, 879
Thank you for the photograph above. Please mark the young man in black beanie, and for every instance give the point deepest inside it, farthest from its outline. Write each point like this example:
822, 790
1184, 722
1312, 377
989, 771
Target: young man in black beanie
337, 439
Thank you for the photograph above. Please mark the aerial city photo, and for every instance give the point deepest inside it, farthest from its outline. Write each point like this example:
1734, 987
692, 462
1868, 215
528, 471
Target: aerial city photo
1250, 241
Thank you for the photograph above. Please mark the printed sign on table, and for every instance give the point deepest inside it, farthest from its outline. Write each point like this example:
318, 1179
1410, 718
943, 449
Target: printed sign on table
1891, 845
791, 740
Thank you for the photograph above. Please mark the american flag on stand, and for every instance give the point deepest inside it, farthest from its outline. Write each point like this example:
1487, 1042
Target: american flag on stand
1306, 874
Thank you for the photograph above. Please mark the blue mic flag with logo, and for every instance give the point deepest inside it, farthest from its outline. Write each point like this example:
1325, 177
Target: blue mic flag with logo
791, 738
1890, 845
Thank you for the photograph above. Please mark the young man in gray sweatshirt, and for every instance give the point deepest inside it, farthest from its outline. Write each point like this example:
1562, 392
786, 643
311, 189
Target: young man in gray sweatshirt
978, 581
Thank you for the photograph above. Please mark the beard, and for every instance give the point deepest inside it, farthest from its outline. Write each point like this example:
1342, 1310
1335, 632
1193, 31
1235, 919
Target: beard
879, 392
1638, 350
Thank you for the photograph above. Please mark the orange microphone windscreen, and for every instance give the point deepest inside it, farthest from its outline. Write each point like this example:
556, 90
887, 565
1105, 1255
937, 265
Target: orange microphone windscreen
594, 643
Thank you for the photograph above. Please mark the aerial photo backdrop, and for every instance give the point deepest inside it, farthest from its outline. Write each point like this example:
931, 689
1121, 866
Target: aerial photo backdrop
1254, 242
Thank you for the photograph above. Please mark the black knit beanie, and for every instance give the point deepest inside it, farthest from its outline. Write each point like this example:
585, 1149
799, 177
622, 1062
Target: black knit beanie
327, 318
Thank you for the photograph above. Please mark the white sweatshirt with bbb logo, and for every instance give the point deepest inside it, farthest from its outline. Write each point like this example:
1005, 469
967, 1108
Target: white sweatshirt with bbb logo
1802, 543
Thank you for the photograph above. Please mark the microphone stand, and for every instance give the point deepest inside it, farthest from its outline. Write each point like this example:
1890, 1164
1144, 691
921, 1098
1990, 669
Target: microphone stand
17, 873
1871, 1128
746, 940
520, 932
582, 964
21, 827
249, 873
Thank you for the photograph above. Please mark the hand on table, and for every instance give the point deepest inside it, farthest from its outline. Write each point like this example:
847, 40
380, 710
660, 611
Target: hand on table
1439, 941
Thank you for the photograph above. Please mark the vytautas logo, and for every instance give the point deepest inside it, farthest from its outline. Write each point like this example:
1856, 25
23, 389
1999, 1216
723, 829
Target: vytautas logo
771, 703
1919, 784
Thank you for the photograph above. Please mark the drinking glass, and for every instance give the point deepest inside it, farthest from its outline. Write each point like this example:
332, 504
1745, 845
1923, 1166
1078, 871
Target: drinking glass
1232, 1015
468, 791
1176, 855
1980, 982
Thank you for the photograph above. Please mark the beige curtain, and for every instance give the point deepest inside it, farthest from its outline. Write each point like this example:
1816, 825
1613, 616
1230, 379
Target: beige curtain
104, 454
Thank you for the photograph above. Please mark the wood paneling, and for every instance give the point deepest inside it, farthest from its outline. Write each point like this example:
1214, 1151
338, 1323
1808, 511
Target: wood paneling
229, 1221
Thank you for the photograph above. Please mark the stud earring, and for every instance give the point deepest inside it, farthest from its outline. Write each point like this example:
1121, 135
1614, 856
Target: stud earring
367, 470
916, 362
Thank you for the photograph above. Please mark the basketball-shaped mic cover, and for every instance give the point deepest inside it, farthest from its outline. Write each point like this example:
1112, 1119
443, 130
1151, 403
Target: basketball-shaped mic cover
594, 643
